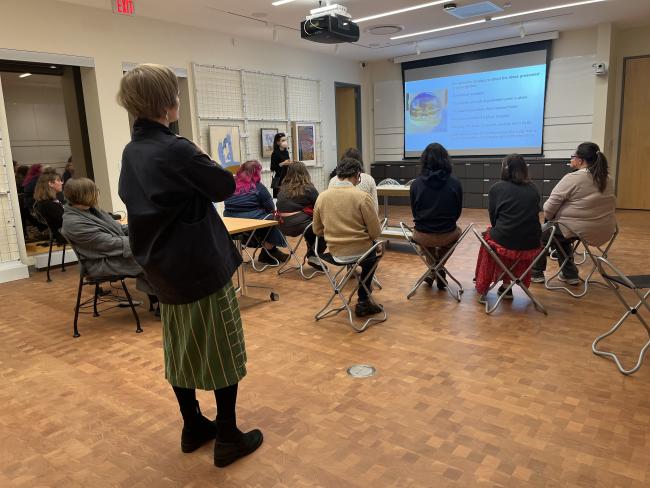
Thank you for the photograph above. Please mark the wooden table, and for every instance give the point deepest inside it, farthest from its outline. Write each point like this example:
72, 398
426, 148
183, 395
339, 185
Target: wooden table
236, 227
392, 191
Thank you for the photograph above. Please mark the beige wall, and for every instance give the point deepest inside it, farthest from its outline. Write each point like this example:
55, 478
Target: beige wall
62, 28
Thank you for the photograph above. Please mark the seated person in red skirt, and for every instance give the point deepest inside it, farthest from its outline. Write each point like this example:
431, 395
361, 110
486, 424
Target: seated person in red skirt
514, 205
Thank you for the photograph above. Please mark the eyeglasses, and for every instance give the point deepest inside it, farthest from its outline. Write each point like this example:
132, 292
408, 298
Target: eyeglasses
574, 156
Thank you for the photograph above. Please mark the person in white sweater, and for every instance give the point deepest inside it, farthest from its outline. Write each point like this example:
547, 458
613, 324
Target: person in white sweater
585, 202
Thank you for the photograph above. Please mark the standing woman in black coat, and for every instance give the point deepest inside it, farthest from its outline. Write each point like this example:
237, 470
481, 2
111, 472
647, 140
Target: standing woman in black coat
169, 185
280, 161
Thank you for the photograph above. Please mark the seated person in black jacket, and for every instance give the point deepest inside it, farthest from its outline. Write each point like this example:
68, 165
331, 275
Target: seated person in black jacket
436, 204
47, 203
295, 205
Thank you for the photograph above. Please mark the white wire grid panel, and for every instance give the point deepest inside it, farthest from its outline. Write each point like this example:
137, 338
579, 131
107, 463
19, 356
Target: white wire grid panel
304, 100
8, 238
218, 93
265, 97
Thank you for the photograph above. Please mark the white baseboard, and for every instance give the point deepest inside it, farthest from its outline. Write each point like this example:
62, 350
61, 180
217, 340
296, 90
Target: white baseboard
13, 271
40, 260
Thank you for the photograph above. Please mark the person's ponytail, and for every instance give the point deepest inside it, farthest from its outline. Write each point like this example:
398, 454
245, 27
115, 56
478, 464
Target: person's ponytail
596, 163
600, 171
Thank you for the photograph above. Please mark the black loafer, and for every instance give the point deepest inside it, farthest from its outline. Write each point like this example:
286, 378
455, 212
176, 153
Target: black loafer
226, 453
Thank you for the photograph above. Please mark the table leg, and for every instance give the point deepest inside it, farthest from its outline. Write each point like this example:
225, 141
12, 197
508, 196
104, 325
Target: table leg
385, 207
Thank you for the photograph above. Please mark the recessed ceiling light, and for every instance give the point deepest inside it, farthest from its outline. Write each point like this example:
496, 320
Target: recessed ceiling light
24, 75
546, 9
281, 2
399, 11
439, 29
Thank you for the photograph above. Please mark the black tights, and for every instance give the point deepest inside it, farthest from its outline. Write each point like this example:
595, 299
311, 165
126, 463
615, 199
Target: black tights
226, 399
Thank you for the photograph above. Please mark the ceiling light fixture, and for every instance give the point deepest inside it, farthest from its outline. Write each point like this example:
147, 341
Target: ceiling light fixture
24, 75
281, 2
546, 9
399, 11
439, 29
500, 17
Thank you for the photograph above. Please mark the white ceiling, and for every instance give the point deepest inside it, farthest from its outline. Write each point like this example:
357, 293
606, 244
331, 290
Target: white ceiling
256, 19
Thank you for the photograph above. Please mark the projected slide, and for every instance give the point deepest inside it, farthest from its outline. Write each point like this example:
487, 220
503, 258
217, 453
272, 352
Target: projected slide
491, 112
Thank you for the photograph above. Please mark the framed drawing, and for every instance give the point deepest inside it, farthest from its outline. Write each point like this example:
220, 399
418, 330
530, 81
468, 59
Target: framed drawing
267, 141
225, 146
304, 142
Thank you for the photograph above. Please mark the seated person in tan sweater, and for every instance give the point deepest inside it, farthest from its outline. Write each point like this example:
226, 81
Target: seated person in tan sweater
347, 218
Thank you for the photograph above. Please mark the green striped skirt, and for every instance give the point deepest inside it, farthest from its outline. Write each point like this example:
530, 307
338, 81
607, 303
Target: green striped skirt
203, 342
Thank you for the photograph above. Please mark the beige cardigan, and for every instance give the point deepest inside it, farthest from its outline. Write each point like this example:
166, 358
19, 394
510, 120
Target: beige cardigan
347, 218
576, 202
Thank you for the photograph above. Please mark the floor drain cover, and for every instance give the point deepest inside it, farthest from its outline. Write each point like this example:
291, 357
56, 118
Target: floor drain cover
361, 371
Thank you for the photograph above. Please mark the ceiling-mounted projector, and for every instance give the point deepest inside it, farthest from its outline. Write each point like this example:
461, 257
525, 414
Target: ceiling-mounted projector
330, 25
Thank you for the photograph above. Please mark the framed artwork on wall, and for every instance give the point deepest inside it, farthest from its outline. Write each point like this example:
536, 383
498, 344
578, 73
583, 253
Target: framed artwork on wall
304, 142
267, 141
225, 146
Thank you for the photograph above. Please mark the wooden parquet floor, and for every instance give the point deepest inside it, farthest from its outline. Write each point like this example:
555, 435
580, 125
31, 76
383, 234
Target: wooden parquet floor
459, 399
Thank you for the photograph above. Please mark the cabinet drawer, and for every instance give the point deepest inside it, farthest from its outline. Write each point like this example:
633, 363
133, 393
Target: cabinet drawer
378, 172
547, 186
487, 184
460, 170
474, 170
540, 186
473, 185
536, 171
473, 200
486, 201
555, 171
492, 171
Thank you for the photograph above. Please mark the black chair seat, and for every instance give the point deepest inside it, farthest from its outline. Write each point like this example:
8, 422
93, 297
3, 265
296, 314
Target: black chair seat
641, 282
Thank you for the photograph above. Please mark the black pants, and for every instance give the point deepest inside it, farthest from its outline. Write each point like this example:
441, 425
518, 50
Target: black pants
367, 274
570, 270
310, 238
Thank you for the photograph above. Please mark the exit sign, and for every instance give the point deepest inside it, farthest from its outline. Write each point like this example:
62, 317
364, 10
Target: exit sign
124, 7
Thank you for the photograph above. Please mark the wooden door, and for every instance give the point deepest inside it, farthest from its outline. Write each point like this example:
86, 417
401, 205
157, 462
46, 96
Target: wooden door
346, 119
634, 154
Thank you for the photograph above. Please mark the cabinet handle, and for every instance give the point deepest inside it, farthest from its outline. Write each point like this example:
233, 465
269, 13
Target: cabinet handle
486, 181
547, 164
546, 181
468, 164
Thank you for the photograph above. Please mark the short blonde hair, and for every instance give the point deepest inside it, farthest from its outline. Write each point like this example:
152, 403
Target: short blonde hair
81, 191
148, 91
43, 191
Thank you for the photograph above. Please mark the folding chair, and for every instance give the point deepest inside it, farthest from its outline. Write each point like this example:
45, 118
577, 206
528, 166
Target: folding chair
593, 252
55, 237
254, 242
300, 266
116, 301
552, 255
438, 269
347, 271
514, 280
637, 283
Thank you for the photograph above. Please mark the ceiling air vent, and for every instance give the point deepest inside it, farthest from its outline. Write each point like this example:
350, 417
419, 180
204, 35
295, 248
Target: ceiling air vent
480, 9
384, 30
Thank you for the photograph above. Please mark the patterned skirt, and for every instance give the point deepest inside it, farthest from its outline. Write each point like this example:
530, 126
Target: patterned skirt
203, 342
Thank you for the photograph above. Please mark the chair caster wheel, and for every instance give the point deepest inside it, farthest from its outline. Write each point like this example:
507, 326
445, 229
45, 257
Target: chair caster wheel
76, 334
138, 331
274, 297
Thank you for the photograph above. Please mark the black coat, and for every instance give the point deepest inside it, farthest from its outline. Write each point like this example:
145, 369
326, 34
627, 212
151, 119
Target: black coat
176, 235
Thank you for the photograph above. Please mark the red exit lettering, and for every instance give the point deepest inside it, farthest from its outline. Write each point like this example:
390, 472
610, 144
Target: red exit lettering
124, 7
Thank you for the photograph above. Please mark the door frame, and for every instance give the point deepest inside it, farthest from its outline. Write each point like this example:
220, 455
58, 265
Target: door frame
621, 118
357, 109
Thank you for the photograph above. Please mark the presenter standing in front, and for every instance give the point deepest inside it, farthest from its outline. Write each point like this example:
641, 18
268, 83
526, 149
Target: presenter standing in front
169, 185
280, 161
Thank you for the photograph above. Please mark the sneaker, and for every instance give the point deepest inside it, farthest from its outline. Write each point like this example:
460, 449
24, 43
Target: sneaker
538, 277
226, 453
279, 255
266, 257
568, 279
315, 263
482, 299
429, 280
507, 296
367, 307
441, 284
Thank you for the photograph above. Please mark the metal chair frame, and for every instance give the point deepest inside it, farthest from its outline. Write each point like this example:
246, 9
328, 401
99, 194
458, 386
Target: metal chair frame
514, 280
588, 250
346, 272
438, 268
52, 234
615, 281
249, 245
85, 280
294, 255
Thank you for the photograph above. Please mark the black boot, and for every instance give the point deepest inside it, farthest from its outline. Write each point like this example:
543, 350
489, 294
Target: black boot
197, 430
231, 444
